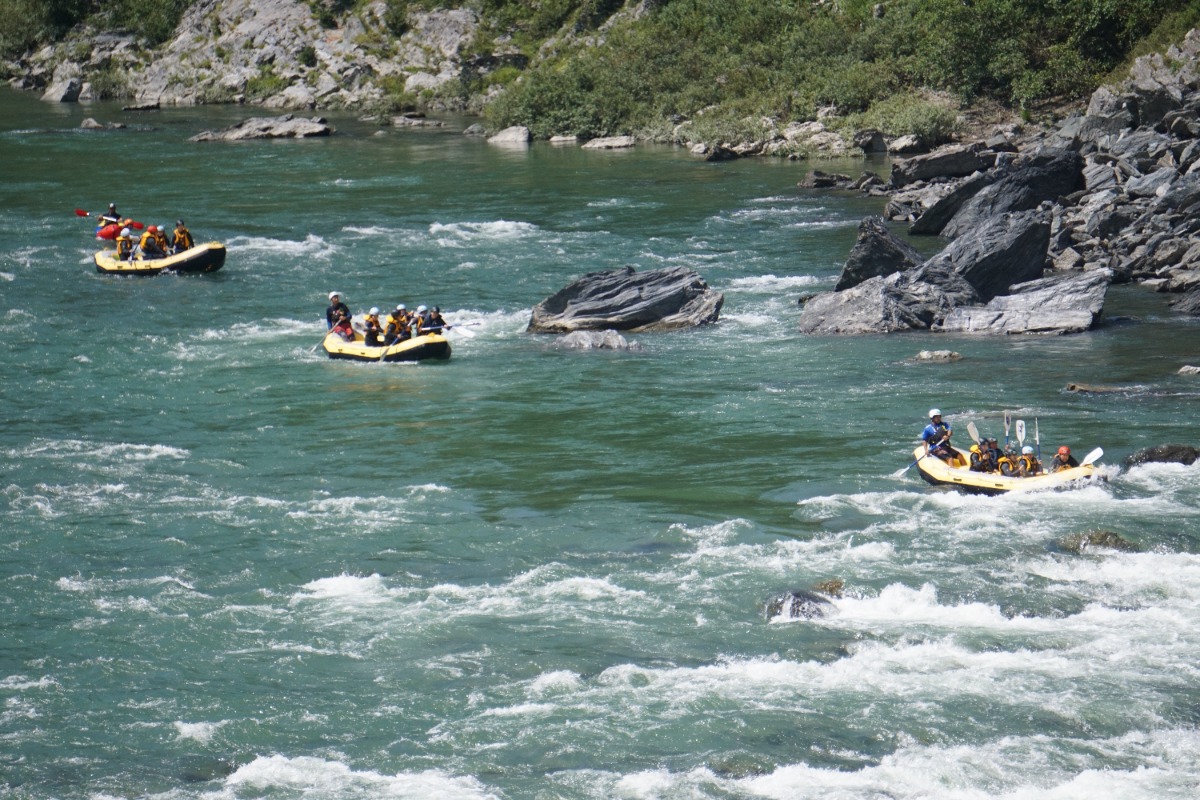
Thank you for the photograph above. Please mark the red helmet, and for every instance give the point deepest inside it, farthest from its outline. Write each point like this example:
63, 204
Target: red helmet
1064, 451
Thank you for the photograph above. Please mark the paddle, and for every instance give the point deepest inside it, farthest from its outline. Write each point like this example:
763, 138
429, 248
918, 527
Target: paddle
973, 431
79, 212
900, 472
1037, 439
1021, 432
1091, 457
1007, 425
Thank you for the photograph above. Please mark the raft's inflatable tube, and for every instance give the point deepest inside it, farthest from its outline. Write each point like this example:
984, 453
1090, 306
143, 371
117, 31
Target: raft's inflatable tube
208, 257
939, 473
429, 346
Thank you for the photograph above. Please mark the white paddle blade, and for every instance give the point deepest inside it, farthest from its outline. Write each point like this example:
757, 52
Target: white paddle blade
1092, 457
971, 429
1021, 431
1007, 423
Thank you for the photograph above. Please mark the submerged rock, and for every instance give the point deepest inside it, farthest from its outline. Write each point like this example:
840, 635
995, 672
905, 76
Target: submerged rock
596, 340
1107, 540
626, 300
798, 604
1163, 454
1097, 388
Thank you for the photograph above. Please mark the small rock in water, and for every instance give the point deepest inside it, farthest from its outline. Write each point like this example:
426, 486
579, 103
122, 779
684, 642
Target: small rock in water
798, 604
1107, 540
1096, 388
939, 356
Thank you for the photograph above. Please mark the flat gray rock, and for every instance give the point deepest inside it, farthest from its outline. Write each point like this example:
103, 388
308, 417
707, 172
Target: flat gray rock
1069, 303
282, 127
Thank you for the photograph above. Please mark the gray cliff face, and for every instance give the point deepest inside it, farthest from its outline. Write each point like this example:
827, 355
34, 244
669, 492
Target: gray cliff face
269, 52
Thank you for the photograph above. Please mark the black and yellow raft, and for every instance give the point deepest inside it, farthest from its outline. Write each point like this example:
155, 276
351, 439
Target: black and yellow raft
208, 257
957, 474
418, 348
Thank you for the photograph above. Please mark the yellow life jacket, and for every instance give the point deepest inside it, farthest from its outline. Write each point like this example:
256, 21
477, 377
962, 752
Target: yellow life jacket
124, 246
1007, 466
183, 239
161, 238
1029, 465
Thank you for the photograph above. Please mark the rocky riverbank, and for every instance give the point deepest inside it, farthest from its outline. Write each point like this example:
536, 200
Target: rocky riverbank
1039, 224
272, 53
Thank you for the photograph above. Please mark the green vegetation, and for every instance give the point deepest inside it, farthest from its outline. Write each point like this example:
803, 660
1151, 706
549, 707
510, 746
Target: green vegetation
597, 68
25, 24
787, 59
265, 84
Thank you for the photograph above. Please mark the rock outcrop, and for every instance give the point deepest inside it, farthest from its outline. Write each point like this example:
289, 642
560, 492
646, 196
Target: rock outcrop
876, 253
1118, 186
627, 300
999, 253
277, 54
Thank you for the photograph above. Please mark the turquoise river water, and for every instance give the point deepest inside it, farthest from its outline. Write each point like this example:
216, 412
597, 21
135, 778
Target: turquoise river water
233, 568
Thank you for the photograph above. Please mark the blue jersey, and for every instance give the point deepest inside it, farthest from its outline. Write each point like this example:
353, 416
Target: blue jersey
934, 433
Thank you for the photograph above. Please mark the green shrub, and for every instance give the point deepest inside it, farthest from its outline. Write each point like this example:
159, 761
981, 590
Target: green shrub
395, 16
265, 84
110, 84
153, 20
307, 56
908, 113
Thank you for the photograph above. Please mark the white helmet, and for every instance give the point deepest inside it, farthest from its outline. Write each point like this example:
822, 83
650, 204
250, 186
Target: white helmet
162, 227
400, 307
1026, 450
374, 311
421, 309
125, 232
933, 412
334, 294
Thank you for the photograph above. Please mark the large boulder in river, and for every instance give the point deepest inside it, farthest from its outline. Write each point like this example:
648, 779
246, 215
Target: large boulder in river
877, 252
1067, 303
281, 127
1046, 175
626, 300
1001, 252
1163, 454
